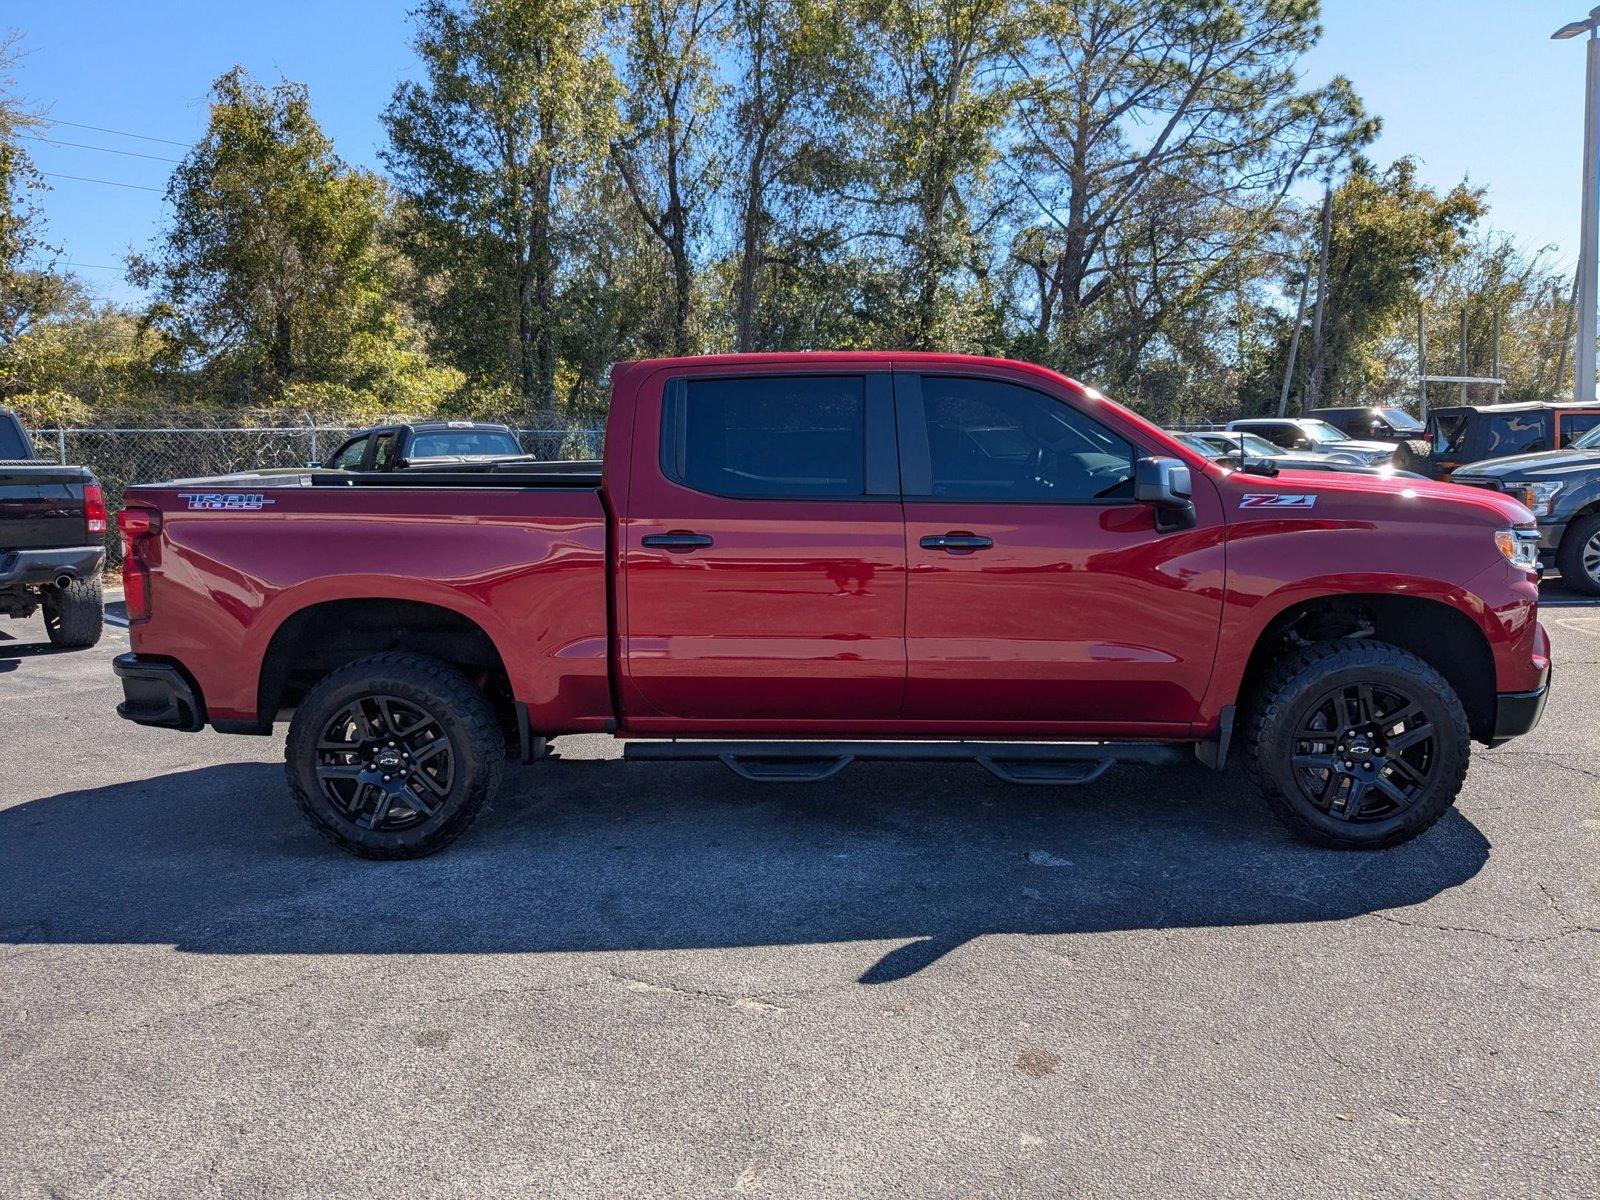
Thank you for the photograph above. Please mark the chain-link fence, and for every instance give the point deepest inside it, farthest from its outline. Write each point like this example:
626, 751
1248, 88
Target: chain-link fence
122, 457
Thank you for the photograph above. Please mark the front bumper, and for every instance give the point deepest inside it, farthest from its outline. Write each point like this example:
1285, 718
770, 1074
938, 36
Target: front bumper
1517, 713
158, 692
34, 568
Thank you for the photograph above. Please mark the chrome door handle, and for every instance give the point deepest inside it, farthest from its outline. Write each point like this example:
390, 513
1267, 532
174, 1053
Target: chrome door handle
956, 542
679, 541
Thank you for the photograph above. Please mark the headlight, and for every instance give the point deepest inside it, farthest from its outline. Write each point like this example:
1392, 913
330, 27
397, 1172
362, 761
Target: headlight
1520, 547
1539, 498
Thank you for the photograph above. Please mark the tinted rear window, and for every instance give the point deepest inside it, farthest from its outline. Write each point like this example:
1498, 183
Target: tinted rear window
783, 436
451, 443
12, 442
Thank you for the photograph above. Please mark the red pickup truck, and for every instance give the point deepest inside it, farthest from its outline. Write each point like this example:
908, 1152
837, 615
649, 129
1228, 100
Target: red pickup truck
787, 562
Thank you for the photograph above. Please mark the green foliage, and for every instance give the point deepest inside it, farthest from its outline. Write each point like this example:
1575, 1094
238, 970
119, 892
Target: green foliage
271, 274
1111, 187
1391, 236
494, 154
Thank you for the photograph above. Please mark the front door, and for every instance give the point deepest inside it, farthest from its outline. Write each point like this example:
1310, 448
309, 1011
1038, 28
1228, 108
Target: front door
765, 578
1039, 591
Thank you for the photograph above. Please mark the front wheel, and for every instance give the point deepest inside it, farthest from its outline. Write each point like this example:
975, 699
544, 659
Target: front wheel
1357, 745
393, 756
1579, 554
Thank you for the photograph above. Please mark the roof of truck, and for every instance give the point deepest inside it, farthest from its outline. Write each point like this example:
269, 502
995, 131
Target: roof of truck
1521, 406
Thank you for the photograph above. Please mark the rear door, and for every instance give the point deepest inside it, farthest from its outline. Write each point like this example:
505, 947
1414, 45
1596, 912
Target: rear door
1039, 591
764, 548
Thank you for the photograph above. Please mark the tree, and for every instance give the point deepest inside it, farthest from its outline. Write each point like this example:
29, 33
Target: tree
787, 52
928, 121
1390, 234
1181, 125
270, 272
31, 289
666, 154
501, 139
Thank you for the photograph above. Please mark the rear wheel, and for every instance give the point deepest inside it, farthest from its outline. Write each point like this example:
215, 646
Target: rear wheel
393, 756
1357, 745
74, 616
1579, 555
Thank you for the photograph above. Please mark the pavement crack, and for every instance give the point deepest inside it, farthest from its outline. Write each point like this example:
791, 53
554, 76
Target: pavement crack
739, 1003
1509, 939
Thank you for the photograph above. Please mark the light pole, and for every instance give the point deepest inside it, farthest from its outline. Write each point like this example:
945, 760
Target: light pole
1589, 242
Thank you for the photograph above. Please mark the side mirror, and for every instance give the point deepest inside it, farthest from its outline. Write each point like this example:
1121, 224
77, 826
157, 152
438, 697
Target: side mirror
1166, 484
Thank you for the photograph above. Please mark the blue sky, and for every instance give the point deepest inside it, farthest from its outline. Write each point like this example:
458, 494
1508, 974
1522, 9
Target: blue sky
1471, 88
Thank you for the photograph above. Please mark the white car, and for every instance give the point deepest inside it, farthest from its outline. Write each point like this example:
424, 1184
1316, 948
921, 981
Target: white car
1307, 434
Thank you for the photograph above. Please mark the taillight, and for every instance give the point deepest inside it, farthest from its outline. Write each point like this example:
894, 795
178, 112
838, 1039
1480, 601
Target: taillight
139, 527
94, 508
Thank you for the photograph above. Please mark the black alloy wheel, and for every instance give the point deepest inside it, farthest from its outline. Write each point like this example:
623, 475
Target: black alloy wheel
385, 762
1364, 752
1356, 744
393, 756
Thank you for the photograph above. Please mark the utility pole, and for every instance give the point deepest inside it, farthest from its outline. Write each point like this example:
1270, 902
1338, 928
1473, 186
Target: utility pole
1583, 388
1294, 343
1494, 349
1314, 388
1422, 365
1463, 355
1566, 331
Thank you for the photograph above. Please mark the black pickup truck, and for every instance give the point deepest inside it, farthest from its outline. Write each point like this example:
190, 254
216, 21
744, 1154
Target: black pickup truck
52, 540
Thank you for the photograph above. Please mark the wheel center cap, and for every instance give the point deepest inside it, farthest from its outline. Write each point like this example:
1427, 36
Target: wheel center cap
1360, 747
388, 758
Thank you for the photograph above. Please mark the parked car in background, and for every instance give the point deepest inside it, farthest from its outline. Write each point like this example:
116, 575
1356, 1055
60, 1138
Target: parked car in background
1374, 423
1225, 447
1318, 437
52, 540
788, 562
434, 443
1460, 434
1562, 488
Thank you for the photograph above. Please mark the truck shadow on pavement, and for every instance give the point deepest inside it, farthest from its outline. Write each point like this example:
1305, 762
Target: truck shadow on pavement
607, 856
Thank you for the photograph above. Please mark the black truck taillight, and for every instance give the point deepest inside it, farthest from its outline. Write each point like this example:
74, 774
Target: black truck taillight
139, 527
94, 509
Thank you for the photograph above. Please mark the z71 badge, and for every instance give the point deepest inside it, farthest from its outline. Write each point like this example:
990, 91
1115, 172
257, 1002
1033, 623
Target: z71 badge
1277, 500
226, 501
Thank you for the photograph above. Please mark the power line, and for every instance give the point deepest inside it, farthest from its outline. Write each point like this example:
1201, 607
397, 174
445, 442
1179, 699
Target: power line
95, 266
138, 187
143, 137
33, 137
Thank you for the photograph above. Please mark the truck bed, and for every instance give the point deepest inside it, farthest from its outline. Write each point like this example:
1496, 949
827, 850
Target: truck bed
574, 474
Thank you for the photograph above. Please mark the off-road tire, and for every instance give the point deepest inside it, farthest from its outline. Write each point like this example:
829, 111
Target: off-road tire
74, 616
1410, 455
1291, 688
1569, 556
462, 715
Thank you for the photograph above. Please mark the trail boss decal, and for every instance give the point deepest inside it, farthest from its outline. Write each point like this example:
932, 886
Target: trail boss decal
226, 501
1277, 500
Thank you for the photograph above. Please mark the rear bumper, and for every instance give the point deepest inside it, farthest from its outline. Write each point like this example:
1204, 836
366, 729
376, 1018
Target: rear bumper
30, 568
158, 692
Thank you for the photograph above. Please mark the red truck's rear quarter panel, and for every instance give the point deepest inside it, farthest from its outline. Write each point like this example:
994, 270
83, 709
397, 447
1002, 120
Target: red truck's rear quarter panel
529, 567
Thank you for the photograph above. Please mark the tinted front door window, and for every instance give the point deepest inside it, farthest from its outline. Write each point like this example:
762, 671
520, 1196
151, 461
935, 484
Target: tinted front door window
994, 441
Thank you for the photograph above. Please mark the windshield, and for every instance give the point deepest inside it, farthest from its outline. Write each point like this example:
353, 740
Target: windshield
1321, 432
1590, 440
450, 443
1230, 443
1400, 420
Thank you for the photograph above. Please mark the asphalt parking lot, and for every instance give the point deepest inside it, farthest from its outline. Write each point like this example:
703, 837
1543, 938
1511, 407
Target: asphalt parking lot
663, 980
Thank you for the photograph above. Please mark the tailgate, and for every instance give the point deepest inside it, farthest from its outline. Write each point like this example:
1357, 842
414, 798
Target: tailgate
42, 506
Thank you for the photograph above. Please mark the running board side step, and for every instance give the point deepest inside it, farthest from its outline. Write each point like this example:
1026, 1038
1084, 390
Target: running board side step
1054, 763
